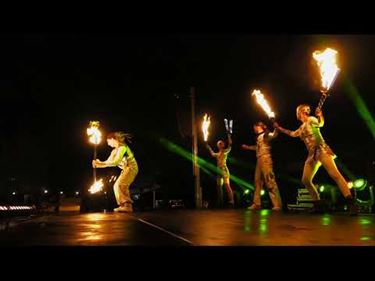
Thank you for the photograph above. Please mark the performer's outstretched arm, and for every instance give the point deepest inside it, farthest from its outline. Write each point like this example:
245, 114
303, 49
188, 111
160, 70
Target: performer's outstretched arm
292, 134
249, 147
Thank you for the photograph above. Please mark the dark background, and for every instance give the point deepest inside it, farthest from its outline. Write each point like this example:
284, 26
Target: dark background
52, 85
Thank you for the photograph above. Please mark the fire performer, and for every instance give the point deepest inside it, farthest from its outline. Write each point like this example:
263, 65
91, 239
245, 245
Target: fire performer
122, 157
264, 167
319, 153
223, 171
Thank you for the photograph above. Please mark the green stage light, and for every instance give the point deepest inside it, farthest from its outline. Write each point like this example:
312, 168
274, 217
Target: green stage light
247, 191
262, 192
359, 184
321, 188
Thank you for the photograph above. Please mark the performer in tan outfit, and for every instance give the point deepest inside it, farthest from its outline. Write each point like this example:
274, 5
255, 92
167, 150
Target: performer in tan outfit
264, 168
122, 157
319, 153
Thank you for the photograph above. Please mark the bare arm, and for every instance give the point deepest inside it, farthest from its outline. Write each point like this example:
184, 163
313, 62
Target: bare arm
292, 134
113, 160
319, 115
230, 142
248, 147
213, 154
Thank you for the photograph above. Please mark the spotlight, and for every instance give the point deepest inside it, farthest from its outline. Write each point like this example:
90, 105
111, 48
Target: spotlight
360, 184
321, 188
262, 192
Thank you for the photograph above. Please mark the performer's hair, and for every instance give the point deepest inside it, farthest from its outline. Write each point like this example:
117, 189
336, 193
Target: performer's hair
300, 107
121, 137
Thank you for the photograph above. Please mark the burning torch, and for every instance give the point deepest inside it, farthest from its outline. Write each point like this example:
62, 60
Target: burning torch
95, 137
228, 126
326, 61
264, 104
205, 126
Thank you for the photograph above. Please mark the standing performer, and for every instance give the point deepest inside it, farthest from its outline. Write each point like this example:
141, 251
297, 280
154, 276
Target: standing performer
122, 157
223, 171
319, 153
264, 167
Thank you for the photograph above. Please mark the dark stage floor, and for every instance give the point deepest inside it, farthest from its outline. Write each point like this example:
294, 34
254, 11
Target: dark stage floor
193, 227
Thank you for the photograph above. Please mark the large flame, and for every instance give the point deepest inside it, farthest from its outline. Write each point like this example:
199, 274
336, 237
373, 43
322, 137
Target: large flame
328, 67
95, 136
263, 103
205, 126
96, 187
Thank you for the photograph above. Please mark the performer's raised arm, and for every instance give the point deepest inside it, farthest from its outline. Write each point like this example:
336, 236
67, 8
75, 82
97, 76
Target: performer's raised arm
230, 142
319, 115
213, 154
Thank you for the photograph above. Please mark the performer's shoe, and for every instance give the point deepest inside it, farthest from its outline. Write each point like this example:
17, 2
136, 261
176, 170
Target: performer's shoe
277, 209
254, 207
353, 207
126, 208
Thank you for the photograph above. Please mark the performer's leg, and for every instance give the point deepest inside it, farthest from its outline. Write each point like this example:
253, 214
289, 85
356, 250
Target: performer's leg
258, 187
229, 190
219, 187
122, 186
117, 191
272, 187
330, 166
309, 171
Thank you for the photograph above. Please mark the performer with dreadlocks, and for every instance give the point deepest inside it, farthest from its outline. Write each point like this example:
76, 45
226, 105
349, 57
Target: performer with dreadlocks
264, 167
223, 171
319, 153
122, 157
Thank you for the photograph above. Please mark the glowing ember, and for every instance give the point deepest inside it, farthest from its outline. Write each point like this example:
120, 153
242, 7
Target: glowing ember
205, 126
96, 187
328, 68
95, 136
263, 103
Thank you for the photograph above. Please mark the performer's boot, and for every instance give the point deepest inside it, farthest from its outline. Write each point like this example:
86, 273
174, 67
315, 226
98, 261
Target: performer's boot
254, 207
353, 207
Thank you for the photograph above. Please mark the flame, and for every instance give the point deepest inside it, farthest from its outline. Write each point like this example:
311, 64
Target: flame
263, 103
95, 136
96, 187
328, 68
205, 126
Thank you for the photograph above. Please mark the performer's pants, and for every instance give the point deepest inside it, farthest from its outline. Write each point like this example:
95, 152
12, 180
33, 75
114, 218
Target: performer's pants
264, 175
312, 164
122, 184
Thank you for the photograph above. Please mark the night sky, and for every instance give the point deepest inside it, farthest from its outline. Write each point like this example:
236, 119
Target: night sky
52, 85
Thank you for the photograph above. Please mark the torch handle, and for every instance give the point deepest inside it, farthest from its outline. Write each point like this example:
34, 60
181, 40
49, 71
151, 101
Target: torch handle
322, 100
94, 169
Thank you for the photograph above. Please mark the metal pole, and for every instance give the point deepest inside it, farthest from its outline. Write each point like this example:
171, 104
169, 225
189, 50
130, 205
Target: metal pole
94, 169
153, 199
198, 190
